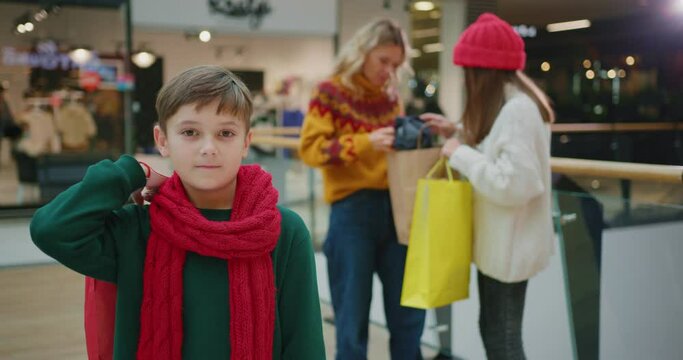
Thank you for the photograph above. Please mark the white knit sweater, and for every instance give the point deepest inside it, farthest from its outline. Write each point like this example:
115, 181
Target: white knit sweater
510, 174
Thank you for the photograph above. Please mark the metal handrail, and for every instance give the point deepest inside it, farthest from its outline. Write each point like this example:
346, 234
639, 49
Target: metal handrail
618, 170
556, 128
615, 127
576, 167
284, 130
279, 141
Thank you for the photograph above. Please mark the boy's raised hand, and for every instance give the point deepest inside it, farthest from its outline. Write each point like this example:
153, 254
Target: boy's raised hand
154, 180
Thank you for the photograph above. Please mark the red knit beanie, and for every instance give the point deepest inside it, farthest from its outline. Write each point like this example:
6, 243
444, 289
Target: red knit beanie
490, 43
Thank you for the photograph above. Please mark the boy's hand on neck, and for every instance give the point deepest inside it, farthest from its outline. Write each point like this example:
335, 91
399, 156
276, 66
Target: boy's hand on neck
154, 181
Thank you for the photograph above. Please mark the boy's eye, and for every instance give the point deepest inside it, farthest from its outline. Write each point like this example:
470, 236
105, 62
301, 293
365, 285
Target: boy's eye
189, 132
226, 133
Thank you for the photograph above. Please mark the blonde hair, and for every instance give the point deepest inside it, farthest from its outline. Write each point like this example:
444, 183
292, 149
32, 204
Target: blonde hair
376, 33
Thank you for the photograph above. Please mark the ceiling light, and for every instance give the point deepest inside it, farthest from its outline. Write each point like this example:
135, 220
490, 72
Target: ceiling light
433, 48
40, 15
414, 53
630, 60
545, 66
21, 28
205, 36
568, 25
590, 74
621, 73
678, 6
430, 90
425, 33
587, 64
80, 56
611, 74
424, 6
29, 26
143, 59
526, 31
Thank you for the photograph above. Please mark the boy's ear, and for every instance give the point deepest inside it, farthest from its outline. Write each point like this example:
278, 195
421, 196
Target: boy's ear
247, 144
161, 141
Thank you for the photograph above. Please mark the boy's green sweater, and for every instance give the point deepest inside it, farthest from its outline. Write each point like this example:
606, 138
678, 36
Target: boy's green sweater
90, 229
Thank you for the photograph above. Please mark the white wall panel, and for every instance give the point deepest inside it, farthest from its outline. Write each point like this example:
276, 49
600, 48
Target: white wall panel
356, 13
309, 57
312, 17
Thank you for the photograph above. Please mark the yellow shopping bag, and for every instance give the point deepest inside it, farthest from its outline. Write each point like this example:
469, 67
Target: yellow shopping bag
437, 270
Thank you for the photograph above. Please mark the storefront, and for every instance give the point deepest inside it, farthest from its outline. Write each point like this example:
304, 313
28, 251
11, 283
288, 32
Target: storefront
63, 79
68, 63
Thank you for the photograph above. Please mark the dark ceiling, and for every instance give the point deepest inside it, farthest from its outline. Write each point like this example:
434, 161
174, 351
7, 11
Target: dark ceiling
542, 12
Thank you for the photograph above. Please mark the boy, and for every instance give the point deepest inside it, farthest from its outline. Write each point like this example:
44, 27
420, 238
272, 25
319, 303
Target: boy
212, 269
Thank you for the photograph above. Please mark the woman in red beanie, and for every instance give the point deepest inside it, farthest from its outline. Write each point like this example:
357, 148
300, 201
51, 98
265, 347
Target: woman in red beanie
503, 147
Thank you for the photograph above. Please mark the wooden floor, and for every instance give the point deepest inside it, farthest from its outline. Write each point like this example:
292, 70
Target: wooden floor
41, 317
41, 313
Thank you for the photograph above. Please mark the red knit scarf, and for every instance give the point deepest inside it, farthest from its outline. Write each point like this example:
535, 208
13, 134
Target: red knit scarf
246, 241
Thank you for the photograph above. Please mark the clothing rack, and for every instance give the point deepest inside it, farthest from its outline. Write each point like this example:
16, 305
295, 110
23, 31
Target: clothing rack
38, 101
70, 95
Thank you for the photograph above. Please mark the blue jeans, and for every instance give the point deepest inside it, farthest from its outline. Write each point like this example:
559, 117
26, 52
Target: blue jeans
361, 240
500, 317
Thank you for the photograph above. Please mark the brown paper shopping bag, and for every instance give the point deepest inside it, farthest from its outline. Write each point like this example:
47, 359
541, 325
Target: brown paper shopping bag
405, 167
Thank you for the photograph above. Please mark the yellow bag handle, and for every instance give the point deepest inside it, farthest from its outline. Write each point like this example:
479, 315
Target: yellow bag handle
441, 162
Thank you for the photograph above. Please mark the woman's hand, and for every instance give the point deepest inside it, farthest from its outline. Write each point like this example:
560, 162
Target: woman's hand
439, 124
154, 181
382, 139
449, 147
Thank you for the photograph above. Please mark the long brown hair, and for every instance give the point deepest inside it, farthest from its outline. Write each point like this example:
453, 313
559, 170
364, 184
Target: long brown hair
486, 96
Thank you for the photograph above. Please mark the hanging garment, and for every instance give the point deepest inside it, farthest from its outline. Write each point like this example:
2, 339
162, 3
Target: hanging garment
40, 136
76, 126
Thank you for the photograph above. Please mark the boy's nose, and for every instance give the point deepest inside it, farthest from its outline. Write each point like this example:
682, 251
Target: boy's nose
208, 147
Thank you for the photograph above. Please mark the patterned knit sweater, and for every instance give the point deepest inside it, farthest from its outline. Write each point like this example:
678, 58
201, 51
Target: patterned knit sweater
335, 135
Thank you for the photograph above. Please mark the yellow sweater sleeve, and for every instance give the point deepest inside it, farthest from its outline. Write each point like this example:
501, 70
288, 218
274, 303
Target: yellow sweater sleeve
321, 142
335, 138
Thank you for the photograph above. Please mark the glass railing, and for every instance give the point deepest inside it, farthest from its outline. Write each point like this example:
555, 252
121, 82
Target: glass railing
300, 187
620, 244
612, 289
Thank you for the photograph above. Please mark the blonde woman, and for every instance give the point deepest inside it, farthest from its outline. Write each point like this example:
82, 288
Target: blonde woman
346, 133
503, 148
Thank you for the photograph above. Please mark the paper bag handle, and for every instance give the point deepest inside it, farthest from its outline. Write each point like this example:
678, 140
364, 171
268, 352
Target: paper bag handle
420, 135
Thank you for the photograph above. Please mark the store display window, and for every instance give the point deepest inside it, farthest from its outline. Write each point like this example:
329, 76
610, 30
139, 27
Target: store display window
61, 98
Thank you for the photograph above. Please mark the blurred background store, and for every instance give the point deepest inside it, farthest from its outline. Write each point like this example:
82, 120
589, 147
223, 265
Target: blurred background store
79, 80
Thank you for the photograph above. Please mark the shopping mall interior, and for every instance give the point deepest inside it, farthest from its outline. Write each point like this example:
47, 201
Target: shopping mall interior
79, 81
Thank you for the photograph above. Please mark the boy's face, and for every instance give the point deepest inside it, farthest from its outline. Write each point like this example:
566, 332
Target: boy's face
206, 150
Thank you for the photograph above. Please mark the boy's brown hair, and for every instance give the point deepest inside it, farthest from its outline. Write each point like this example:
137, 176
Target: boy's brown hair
201, 85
